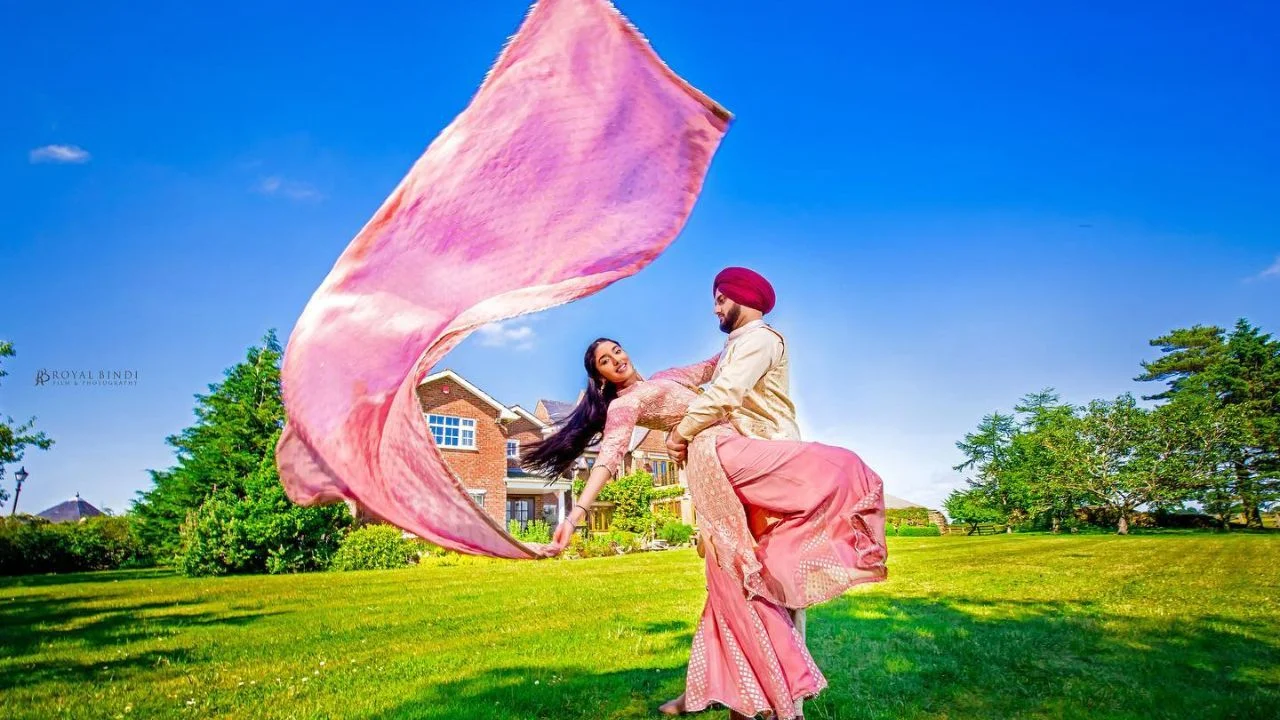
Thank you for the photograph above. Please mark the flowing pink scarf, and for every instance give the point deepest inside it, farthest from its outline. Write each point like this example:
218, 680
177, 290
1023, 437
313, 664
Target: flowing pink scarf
576, 164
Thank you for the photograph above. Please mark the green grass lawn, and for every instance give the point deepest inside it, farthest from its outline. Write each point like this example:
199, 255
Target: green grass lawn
1172, 626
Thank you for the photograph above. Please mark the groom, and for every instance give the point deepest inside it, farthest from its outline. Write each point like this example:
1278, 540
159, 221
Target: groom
751, 387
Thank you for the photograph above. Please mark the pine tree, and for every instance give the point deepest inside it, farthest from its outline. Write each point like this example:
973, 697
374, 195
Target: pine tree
236, 423
1236, 377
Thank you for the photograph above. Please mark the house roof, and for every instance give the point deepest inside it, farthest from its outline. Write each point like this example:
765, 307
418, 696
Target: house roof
528, 415
505, 413
893, 502
558, 409
73, 510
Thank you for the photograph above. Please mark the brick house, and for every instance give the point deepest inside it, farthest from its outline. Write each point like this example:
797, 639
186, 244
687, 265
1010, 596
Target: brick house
480, 439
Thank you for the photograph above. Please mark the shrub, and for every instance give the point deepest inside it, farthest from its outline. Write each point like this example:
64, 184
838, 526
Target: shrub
676, 533
214, 540
535, 531
604, 544
632, 496
107, 543
35, 545
890, 530
915, 516
913, 531
597, 546
375, 547
259, 531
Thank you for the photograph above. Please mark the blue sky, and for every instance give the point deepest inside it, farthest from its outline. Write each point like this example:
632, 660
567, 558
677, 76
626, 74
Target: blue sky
958, 203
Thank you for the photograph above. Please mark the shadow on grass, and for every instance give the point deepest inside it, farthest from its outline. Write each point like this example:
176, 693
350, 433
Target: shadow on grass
30, 623
55, 580
936, 658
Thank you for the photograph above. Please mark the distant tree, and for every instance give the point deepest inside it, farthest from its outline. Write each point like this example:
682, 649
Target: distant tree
1210, 370
972, 508
16, 437
1121, 456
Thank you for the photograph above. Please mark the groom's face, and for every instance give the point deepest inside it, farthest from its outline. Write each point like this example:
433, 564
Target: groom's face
728, 313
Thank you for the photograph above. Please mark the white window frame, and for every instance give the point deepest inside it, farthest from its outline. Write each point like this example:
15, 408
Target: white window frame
510, 454
464, 426
477, 496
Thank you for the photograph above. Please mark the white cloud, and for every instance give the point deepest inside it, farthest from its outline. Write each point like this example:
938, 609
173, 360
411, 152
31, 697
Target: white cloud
519, 337
61, 154
277, 186
1273, 271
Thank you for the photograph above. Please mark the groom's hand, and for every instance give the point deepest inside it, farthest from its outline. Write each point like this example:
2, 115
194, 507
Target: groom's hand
677, 446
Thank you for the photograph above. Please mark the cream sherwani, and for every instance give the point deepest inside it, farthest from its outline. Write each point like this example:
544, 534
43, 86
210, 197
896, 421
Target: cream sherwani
750, 388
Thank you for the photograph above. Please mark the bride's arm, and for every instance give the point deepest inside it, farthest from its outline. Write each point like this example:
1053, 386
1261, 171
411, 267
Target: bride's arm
614, 443
694, 375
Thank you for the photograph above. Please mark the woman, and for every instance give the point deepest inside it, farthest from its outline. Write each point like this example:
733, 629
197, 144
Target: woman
810, 539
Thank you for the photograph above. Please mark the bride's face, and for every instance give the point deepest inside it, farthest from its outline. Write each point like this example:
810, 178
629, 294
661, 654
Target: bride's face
613, 364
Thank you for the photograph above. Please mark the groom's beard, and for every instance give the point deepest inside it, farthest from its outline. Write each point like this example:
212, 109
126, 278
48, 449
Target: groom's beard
730, 320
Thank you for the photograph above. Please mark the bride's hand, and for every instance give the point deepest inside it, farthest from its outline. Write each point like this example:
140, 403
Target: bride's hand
561, 539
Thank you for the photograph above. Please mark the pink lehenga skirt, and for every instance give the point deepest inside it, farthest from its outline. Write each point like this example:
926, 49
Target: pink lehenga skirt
785, 525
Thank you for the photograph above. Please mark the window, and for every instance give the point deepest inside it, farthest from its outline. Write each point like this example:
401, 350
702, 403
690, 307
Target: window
520, 510
513, 449
453, 432
665, 472
477, 496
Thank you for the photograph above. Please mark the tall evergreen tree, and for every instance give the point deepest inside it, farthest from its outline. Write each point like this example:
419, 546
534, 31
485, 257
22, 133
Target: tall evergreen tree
1187, 354
990, 460
1208, 369
236, 423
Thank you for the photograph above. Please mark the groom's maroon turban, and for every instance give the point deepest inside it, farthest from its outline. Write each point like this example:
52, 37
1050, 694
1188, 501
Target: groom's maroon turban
745, 287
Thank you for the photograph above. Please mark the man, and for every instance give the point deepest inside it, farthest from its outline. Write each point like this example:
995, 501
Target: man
751, 385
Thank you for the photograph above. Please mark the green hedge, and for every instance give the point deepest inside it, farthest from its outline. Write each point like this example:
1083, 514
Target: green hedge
375, 547
907, 516
31, 545
913, 531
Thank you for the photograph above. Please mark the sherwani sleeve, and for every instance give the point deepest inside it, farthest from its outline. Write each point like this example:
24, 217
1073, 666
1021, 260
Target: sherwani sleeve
747, 361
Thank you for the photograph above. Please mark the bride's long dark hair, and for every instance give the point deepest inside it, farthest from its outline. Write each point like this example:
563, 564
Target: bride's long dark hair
555, 455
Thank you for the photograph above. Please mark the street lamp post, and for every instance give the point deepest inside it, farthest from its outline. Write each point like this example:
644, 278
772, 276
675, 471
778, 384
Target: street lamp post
20, 476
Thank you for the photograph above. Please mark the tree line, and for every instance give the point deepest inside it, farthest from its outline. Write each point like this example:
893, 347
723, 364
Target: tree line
1208, 441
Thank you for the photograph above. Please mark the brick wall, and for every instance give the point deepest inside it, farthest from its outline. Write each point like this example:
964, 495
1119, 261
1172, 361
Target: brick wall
525, 432
484, 468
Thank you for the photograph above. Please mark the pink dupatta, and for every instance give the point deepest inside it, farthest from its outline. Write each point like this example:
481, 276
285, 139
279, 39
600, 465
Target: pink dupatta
576, 164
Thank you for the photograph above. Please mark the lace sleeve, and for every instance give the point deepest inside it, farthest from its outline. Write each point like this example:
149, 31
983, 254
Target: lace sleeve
616, 439
691, 375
